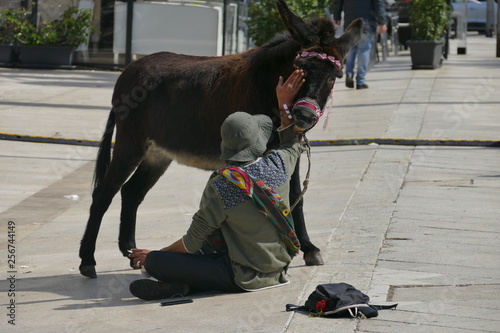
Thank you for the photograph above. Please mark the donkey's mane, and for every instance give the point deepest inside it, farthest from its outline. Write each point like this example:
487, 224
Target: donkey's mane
322, 27
325, 30
279, 38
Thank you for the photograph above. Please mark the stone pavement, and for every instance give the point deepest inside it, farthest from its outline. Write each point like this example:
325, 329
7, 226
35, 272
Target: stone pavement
419, 226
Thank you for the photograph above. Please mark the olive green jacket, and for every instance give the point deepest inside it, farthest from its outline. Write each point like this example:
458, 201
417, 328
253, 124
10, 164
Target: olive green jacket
254, 245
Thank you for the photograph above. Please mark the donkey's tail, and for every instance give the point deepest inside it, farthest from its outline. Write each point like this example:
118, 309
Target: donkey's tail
104, 154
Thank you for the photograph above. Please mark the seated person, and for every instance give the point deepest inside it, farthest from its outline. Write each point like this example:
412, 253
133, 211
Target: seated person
246, 202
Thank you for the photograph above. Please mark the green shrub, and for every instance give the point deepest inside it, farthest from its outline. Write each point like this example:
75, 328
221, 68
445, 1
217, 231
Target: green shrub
11, 23
264, 20
429, 19
70, 29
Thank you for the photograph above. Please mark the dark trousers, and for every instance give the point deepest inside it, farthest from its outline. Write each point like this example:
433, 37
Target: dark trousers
202, 272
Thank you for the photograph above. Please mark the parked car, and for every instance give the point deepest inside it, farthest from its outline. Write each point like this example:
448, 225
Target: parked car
476, 13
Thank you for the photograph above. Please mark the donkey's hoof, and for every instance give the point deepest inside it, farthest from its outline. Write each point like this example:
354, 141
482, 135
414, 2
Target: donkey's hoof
313, 259
134, 266
88, 271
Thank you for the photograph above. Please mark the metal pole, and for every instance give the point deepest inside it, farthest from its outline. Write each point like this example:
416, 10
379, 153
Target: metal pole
461, 33
498, 33
224, 28
34, 13
490, 18
128, 36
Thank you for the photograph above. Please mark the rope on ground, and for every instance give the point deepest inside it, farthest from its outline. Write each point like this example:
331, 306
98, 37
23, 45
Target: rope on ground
313, 143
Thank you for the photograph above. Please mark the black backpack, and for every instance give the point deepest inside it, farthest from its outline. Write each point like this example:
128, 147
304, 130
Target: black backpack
339, 300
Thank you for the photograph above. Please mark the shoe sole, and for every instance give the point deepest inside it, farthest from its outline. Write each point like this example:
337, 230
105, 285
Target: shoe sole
149, 290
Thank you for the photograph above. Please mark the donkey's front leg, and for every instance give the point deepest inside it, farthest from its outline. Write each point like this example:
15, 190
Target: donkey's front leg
312, 254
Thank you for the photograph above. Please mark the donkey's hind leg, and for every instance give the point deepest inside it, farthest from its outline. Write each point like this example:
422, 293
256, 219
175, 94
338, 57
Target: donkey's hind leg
123, 164
133, 192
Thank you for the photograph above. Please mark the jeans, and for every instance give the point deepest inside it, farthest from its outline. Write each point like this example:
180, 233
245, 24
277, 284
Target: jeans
201, 272
361, 52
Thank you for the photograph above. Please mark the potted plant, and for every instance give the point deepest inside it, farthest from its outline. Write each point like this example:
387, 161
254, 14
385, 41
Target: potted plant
11, 21
54, 43
429, 21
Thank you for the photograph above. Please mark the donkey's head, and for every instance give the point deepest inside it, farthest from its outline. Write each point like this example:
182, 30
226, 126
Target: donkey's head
320, 57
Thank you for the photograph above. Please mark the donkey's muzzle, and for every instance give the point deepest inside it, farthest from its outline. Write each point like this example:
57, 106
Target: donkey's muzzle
306, 113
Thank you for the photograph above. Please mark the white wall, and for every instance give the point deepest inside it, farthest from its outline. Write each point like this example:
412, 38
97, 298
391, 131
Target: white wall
176, 27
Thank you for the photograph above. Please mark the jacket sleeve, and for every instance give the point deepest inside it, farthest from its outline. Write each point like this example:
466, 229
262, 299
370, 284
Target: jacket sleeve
208, 218
289, 148
380, 13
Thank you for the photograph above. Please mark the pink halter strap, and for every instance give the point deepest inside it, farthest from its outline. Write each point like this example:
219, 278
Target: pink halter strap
324, 56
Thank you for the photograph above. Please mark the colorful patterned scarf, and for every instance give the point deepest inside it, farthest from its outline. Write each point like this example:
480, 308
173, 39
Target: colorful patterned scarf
269, 202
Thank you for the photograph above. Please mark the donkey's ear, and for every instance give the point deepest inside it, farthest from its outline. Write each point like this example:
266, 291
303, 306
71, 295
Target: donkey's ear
351, 37
301, 32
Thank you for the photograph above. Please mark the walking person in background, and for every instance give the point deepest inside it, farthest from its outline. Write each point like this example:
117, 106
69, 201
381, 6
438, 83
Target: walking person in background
374, 15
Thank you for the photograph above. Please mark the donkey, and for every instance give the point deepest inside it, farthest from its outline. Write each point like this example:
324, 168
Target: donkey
169, 106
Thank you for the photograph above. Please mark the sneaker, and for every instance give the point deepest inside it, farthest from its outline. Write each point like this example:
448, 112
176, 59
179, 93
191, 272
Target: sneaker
148, 290
349, 82
362, 86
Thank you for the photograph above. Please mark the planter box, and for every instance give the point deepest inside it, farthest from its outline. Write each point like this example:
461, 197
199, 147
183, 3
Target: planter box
42, 55
426, 54
8, 54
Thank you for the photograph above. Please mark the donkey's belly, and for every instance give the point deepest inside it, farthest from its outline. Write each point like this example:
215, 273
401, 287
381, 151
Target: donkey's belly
157, 153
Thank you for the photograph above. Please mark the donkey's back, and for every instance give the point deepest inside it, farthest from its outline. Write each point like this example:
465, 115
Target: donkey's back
178, 102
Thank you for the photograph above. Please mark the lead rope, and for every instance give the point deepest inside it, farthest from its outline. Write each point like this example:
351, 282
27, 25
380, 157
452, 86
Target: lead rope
307, 148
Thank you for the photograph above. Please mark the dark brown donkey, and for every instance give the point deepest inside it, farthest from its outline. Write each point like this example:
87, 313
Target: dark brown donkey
170, 106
